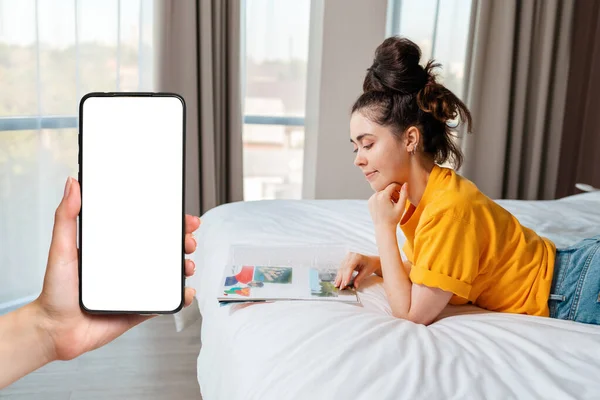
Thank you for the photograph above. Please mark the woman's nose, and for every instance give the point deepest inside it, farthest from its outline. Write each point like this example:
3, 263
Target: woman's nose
359, 160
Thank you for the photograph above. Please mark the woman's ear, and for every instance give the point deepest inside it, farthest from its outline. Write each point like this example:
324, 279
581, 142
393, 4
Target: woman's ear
412, 139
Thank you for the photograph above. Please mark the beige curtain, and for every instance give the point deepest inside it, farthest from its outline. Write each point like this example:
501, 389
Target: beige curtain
198, 56
515, 85
580, 149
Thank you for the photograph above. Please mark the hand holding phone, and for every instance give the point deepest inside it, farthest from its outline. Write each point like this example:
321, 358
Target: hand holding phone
131, 225
67, 330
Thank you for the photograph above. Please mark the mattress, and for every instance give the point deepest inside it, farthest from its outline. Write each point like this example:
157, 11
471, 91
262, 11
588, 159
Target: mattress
314, 350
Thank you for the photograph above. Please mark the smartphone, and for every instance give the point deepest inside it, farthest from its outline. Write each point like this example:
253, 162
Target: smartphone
132, 221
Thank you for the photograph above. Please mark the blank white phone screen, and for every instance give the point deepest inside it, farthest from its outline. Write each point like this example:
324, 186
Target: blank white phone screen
131, 235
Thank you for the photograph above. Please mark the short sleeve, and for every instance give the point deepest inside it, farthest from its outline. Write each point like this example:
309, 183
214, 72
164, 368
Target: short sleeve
446, 254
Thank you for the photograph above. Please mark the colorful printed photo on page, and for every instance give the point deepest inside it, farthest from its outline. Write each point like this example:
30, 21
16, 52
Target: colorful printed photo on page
244, 276
240, 291
273, 274
321, 283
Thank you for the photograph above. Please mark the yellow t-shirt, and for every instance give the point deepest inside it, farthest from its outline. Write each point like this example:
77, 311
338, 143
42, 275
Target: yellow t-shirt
461, 241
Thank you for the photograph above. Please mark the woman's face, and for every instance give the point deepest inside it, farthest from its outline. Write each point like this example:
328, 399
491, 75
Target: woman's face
382, 158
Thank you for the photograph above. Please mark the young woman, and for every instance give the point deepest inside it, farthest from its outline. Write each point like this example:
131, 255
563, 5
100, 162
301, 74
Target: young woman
461, 246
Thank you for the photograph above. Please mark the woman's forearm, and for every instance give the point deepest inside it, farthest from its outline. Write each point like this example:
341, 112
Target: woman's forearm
407, 266
396, 282
24, 344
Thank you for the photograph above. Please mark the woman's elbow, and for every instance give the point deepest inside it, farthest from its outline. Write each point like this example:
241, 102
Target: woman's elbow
415, 318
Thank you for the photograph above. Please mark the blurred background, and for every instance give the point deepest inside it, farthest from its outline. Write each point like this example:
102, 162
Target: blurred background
269, 85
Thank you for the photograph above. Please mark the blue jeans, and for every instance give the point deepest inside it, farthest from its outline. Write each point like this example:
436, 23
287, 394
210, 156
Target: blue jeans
575, 293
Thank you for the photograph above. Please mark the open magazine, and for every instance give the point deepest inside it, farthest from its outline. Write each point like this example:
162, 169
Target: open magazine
248, 283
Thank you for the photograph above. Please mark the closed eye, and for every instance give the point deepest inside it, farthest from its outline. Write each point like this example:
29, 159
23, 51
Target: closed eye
367, 147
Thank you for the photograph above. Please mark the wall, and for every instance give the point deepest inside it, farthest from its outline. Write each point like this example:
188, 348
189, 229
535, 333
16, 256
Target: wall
343, 37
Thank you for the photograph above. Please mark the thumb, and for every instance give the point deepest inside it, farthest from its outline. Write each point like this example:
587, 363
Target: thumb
403, 193
402, 197
362, 274
63, 248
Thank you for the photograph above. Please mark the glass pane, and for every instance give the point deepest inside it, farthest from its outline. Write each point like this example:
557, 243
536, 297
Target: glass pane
145, 29
273, 159
33, 170
129, 59
445, 42
58, 94
451, 42
417, 20
98, 45
76, 55
18, 95
276, 51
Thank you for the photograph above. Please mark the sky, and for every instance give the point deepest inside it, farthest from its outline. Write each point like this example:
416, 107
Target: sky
275, 29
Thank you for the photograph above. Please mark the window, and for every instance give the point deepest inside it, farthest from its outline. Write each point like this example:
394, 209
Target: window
440, 29
275, 52
51, 54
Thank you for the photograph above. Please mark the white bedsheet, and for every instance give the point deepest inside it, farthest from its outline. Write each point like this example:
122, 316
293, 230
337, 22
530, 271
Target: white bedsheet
331, 350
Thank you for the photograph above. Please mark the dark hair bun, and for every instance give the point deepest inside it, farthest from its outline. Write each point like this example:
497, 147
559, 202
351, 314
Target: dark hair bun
396, 68
399, 92
436, 99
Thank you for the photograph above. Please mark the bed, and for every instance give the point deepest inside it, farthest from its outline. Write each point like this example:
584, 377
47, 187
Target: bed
318, 350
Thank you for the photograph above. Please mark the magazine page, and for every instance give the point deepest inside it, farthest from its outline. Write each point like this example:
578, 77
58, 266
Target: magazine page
255, 283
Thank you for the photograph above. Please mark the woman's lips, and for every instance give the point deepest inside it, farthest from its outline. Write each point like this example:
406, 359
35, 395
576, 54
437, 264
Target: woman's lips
370, 175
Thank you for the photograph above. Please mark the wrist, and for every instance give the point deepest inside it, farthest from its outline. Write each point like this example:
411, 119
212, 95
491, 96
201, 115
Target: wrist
385, 229
42, 329
25, 344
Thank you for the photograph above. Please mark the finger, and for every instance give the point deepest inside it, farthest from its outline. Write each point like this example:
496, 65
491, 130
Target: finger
190, 244
189, 296
403, 196
396, 194
391, 188
63, 247
192, 223
362, 274
190, 268
404, 191
338, 277
354, 264
347, 275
